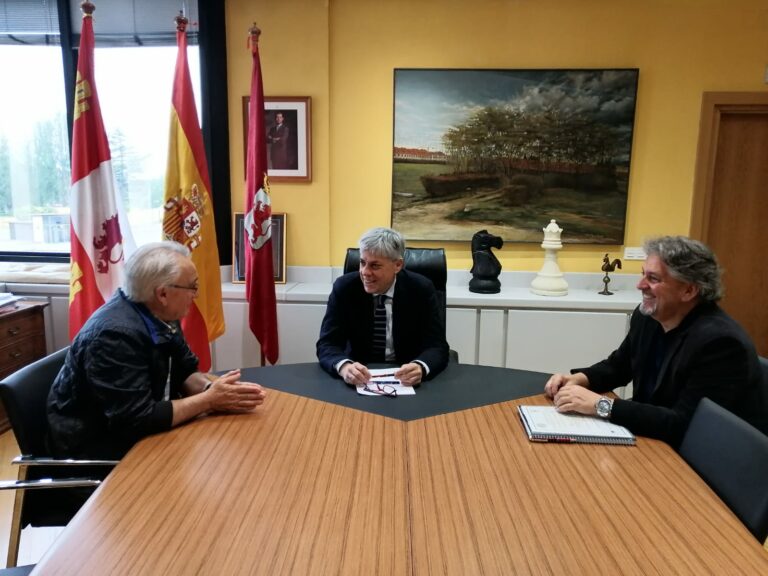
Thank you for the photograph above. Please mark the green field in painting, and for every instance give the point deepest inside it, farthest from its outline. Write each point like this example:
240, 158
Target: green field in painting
587, 216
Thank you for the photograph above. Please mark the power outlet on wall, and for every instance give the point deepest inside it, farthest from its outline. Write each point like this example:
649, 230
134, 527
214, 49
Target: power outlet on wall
634, 253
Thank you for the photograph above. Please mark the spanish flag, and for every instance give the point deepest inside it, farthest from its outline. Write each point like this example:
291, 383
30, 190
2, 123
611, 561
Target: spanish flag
188, 209
100, 238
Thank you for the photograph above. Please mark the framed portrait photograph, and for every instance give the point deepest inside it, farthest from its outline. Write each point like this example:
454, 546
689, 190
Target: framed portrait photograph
288, 126
239, 242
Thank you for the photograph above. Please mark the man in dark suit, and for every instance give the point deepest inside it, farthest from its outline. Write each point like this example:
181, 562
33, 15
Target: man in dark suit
414, 336
279, 140
681, 347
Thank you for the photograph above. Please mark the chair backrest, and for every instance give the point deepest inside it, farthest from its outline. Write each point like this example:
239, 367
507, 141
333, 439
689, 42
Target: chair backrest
24, 394
429, 262
762, 419
732, 457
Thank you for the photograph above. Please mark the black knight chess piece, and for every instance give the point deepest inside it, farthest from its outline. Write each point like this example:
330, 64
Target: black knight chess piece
485, 266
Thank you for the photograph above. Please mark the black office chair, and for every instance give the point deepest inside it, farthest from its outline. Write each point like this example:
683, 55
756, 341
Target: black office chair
429, 262
54, 496
762, 419
732, 457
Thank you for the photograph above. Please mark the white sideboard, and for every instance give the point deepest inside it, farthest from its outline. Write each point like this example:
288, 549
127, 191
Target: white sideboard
515, 328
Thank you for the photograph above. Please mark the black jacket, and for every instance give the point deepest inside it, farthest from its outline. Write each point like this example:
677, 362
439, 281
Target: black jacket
707, 355
109, 393
417, 329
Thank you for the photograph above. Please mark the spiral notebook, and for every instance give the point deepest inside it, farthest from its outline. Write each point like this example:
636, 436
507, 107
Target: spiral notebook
546, 424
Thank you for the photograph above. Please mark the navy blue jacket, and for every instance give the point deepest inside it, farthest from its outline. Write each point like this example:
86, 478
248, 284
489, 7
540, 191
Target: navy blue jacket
109, 393
417, 329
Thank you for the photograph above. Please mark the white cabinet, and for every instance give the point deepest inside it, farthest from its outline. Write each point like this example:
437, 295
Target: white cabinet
237, 347
461, 333
556, 341
298, 326
492, 338
59, 310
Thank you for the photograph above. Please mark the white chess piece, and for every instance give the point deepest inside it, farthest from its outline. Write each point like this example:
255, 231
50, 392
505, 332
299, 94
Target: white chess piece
549, 281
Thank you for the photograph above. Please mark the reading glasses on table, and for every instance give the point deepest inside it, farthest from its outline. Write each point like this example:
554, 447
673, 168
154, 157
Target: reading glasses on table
381, 389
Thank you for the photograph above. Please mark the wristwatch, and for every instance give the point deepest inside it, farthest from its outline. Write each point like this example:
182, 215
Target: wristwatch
603, 406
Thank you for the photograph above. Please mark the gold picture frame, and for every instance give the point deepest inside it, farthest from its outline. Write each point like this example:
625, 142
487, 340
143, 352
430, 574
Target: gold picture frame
293, 153
238, 247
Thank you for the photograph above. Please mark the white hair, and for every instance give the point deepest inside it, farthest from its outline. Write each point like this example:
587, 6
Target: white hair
151, 266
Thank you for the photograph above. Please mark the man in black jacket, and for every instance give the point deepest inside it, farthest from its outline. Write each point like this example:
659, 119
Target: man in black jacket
129, 372
414, 336
681, 347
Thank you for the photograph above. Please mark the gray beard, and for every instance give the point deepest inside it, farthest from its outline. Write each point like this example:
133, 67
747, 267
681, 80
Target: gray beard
647, 310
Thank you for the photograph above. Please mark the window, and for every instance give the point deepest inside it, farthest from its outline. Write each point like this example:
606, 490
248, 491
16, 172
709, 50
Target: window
135, 87
34, 151
135, 58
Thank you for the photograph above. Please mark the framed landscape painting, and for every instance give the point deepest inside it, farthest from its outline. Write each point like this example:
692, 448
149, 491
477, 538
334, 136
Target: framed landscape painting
509, 150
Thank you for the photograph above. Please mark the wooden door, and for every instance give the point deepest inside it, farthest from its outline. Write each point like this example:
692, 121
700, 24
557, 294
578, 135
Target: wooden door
730, 204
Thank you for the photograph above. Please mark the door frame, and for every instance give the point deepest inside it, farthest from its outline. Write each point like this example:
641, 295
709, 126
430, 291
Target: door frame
713, 105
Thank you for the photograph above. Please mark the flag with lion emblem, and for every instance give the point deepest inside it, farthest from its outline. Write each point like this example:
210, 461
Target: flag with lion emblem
259, 272
188, 209
100, 238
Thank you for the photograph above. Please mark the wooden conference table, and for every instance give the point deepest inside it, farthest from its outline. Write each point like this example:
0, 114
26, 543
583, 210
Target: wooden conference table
305, 486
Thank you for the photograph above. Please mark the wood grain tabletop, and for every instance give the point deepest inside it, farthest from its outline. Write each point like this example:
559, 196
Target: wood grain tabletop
306, 487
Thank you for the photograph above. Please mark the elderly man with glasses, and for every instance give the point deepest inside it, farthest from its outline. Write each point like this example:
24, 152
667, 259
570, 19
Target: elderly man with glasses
129, 372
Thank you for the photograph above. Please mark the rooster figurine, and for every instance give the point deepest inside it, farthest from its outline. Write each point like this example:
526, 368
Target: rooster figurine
608, 266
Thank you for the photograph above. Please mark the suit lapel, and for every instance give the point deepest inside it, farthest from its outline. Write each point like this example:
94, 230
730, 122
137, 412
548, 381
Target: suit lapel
399, 311
366, 317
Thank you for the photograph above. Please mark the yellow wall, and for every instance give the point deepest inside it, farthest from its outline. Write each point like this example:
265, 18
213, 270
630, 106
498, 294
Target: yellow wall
295, 62
342, 53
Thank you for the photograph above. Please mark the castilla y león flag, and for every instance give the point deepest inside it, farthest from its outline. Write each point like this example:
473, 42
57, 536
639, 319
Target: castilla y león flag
188, 209
259, 273
100, 238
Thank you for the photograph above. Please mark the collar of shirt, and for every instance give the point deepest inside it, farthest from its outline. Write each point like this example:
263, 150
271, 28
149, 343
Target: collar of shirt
160, 331
391, 292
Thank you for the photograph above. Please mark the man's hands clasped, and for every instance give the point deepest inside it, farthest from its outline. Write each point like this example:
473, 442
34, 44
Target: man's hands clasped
570, 393
356, 374
229, 394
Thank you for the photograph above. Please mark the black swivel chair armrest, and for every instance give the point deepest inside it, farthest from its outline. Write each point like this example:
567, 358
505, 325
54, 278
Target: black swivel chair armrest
48, 483
33, 461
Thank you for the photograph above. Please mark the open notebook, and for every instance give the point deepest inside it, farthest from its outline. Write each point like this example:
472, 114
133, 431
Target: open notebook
546, 424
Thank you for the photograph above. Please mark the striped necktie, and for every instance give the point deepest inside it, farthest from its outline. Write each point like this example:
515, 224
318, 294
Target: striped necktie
380, 329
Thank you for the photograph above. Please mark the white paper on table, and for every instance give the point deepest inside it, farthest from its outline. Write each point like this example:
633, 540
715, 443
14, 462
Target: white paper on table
386, 377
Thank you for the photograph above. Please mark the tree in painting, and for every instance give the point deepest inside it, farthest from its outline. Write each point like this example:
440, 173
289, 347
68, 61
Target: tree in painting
508, 150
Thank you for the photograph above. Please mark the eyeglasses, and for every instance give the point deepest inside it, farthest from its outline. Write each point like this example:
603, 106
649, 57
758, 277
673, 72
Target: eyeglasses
194, 289
381, 389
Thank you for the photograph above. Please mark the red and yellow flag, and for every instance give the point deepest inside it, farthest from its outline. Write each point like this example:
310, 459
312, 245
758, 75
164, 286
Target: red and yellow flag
259, 272
188, 209
100, 237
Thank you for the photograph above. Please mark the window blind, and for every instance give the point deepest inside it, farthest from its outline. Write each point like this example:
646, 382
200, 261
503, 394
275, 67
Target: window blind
115, 22
29, 22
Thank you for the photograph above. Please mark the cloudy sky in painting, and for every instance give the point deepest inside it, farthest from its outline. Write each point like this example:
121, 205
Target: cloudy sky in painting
429, 102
